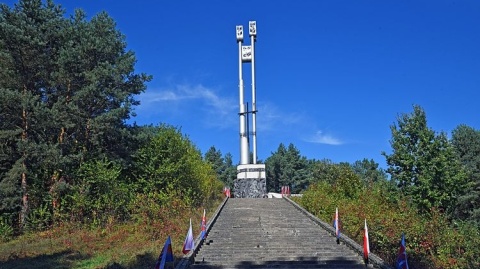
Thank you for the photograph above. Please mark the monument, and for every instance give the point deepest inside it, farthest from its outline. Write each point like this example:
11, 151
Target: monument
251, 179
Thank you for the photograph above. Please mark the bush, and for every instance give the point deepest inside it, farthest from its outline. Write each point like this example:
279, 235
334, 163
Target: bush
99, 195
432, 242
169, 162
6, 231
39, 218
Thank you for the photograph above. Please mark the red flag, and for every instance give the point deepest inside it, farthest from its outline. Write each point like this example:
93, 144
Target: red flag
189, 243
366, 243
166, 255
226, 191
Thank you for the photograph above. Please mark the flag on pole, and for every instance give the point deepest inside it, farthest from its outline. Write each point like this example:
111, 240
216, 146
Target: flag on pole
226, 191
402, 262
204, 225
366, 243
336, 224
166, 255
189, 242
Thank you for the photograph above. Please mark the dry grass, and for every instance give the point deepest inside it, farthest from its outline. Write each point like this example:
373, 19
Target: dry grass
127, 246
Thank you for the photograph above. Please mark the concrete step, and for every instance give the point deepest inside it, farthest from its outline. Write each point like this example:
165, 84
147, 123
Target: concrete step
270, 233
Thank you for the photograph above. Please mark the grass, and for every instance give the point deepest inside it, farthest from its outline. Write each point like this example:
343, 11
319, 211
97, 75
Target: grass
121, 246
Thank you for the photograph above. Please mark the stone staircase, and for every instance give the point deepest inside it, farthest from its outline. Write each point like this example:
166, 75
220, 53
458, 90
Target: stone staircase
270, 233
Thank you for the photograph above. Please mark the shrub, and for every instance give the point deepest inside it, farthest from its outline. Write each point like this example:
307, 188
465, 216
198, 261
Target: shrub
432, 242
6, 231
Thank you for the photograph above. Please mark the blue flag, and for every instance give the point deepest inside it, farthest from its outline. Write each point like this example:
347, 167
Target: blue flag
166, 255
402, 262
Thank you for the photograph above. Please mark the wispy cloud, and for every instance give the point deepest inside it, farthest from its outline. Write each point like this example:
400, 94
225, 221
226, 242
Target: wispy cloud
184, 99
321, 138
271, 118
214, 110
181, 93
292, 123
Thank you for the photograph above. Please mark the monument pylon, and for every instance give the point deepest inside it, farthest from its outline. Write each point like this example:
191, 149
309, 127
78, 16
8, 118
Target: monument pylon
251, 177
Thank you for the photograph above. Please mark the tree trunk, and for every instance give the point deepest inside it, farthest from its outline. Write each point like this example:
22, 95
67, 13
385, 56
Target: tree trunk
24, 212
23, 184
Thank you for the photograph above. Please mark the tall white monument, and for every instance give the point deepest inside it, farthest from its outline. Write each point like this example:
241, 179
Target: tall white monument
251, 179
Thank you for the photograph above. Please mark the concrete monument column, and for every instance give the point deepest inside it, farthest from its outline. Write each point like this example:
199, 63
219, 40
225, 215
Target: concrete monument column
251, 178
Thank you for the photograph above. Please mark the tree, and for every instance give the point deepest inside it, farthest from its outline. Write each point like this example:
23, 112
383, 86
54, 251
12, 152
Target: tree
223, 166
369, 171
99, 195
27, 44
274, 165
324, 171
423, 163
170, 164
466, 141
341, 177
287, 167
70, 85
230, 172
214, 157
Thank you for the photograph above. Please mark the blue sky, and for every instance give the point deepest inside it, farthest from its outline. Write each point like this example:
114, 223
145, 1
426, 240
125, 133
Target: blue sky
332, 76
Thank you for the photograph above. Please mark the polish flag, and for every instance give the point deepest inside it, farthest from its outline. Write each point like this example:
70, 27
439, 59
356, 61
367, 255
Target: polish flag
189, 243
366, 243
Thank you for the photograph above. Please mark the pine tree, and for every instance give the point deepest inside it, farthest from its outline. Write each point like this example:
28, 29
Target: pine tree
286, 167
69, 86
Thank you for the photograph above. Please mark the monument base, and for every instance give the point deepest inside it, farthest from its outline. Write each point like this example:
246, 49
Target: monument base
251, 181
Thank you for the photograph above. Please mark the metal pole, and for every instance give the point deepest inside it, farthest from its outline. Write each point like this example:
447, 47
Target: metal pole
242, 114
253, 33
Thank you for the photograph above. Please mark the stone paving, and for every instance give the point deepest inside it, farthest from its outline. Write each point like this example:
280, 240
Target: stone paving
271, 233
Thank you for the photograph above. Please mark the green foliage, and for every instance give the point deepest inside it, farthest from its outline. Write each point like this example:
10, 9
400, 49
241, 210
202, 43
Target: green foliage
214, 157
369, 171
346, 182
98, 196
39, 218
423, 164
67, 87
157, 209
431, 242
6, 230
230, 173
325, 171
223, 166
170, 162
466, 142
286, 167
